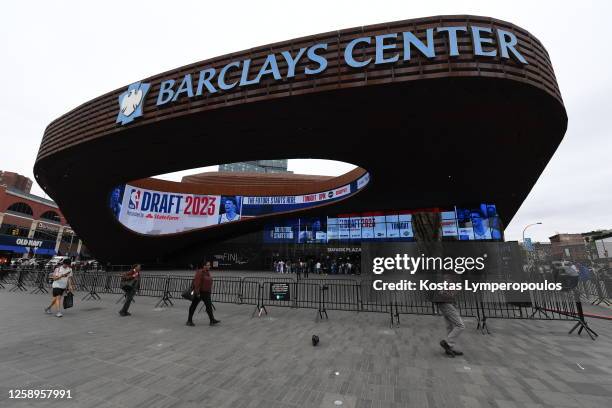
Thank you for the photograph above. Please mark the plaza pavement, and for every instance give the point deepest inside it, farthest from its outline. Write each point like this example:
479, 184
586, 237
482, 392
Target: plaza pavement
152, 359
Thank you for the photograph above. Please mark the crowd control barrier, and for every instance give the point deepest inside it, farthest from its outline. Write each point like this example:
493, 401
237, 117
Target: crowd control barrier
324, 295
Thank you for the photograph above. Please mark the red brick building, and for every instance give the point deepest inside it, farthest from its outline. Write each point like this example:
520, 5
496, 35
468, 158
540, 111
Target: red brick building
33, 226
16, 181
568, 246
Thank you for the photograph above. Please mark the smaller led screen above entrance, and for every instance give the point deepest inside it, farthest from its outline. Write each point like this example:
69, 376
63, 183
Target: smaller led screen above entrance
479, 222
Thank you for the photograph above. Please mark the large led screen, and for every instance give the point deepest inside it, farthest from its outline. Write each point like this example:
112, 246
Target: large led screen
157, 212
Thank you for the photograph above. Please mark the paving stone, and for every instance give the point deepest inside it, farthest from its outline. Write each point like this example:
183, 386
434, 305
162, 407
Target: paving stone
152, 360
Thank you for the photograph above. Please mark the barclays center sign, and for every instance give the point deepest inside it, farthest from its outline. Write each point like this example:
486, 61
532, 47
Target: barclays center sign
389, 49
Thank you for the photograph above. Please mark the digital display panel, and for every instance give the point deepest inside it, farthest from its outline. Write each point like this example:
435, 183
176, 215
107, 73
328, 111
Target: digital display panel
479, 222
154, 212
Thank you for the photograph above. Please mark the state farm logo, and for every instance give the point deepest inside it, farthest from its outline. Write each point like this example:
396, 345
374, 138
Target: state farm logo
131, 101
134, 199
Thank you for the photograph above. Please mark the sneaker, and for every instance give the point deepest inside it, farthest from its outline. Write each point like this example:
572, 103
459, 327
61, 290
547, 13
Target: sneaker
189, 323
457, 352
124, 313
59, 314
214, 321
48, 310
447, 348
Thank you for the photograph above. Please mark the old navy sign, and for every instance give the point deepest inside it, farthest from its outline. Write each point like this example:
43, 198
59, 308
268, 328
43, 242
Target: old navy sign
389, 49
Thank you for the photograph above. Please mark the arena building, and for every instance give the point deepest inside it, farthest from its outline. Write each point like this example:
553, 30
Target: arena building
449, 120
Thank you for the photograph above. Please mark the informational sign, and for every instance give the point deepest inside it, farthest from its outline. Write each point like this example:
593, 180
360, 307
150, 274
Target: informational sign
279, 291
528, 244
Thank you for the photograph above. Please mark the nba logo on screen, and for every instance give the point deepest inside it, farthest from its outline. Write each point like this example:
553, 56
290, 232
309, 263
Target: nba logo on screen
131, 101
134, 199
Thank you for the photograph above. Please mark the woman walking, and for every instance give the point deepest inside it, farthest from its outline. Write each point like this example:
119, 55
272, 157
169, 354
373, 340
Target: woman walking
62, 280
202, 288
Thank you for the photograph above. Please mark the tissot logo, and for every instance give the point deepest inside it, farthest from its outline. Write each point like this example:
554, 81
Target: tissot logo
131, 101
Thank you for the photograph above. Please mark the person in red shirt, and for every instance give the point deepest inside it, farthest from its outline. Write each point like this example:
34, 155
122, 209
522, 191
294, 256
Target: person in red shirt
129, 284
202, 288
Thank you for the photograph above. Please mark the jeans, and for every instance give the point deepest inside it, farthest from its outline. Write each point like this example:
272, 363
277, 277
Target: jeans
129, 297
204, 297
454, 323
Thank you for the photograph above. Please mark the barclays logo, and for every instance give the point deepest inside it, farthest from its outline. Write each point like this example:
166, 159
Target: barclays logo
131, 101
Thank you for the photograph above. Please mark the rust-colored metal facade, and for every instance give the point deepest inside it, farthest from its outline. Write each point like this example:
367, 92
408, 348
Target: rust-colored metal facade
431, 132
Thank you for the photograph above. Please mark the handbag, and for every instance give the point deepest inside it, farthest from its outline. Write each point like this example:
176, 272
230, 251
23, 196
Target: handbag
68, 300
188, 294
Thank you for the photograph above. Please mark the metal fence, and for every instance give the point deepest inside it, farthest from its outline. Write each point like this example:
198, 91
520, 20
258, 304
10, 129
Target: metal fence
330, 294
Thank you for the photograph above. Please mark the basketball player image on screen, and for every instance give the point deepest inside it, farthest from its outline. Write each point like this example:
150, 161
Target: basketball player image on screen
480, 223
231, 210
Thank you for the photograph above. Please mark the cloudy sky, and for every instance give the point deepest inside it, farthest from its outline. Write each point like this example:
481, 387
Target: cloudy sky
59, 54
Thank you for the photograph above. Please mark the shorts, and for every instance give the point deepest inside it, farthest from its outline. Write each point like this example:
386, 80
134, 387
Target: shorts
58, 291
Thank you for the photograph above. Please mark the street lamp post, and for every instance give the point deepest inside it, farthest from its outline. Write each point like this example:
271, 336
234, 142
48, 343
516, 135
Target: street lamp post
530, 256
525, 229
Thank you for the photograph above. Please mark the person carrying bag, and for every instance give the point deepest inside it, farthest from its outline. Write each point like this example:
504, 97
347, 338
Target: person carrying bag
62, 283
202, 289
129, 284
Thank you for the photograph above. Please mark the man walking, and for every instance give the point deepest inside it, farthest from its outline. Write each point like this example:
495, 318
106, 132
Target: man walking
130, 281
445, 300
202, 288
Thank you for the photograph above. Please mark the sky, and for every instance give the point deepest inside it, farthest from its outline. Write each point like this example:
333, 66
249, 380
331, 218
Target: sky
57, 55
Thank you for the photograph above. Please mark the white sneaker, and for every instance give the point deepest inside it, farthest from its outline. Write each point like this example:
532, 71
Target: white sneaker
59, 314
48, 311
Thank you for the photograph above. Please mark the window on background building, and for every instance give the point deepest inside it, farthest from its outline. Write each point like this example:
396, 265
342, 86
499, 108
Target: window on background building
51, 216
21, 208
69, 237
13, 230
45, 235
